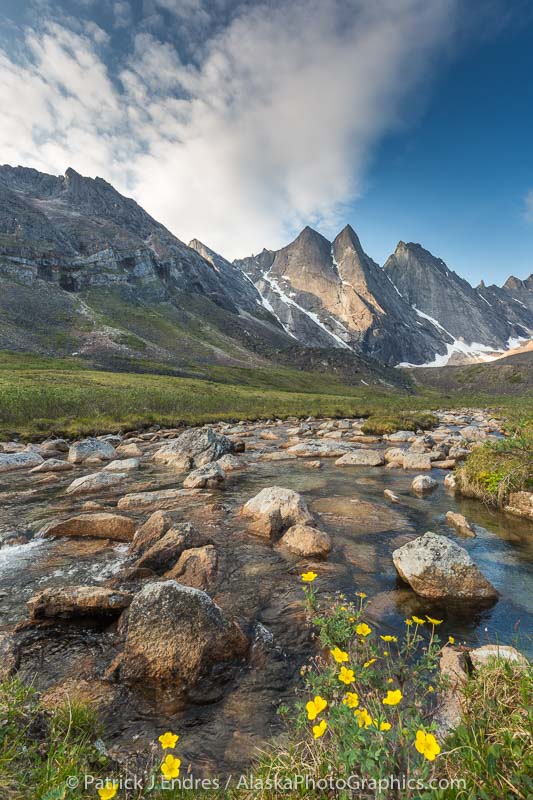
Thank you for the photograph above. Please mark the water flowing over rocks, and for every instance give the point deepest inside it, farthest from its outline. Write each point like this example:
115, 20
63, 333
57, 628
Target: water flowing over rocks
437, 568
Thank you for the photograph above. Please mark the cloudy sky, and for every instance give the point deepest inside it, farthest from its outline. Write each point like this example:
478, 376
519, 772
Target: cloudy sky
240, 121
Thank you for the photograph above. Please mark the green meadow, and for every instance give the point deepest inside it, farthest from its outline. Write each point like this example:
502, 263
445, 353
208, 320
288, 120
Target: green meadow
40, 396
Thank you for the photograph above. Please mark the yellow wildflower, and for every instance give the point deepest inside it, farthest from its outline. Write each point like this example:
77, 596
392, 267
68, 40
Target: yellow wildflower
431, 689
426, 744
171, 767
346, 675
362, 595
108, 791
351, 699
434, 621
363, 629
389, 680
385, 652
364, 720
383, 726
339, 655
451, 640
418, 620
320, 729
369, 662
168, 740
315, 707
343, 608
408, 622
389, 638
393, 697
309, 577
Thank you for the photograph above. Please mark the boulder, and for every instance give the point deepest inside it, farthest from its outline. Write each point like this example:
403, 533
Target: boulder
394, 454
176, 635
97, 482
151, 531
54, 446
416, 461
423, 483
230, 463
473, 434
363, 458
168, 548
122, 465
450, 483
399, 436
458, 453
460, 523
194, 448
91, 448
391, 496
454, 670
520, 504
313, 449
302, 540
482, 655
24, 460
52, 465
154, 501
95, 526
78, 601
437, 568
195, 567
209, 476
129, 451
275, 509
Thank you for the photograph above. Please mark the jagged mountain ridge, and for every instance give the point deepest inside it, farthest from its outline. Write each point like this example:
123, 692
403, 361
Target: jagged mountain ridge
85, 270
413, 311
81, 262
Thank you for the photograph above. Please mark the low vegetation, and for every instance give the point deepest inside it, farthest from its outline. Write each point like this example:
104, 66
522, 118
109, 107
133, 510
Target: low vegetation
381, 424
364, 725
495, 469
41, 396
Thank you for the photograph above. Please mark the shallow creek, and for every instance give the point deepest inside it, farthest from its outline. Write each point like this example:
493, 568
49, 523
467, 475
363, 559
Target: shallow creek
259, 584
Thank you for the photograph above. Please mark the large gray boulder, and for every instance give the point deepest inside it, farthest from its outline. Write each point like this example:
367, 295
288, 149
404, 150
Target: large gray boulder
176, 635
169, 547
437, 568
275, 509
24, 460
210, 476
91, 448
361, 458
97, 482
194, 448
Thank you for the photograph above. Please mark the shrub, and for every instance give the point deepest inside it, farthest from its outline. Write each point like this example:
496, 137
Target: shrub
495, 469
366, 710
381, 424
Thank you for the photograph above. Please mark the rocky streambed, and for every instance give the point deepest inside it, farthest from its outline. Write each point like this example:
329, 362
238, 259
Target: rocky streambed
157, 575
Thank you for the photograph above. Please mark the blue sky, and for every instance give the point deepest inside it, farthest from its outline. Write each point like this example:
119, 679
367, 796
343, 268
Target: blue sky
241, 121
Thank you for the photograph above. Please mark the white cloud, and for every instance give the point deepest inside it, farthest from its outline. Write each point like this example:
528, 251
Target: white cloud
271, 129
528, 212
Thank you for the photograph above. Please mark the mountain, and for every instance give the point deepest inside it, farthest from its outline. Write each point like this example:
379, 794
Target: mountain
475, 324
413, 311
333, 291
86, 271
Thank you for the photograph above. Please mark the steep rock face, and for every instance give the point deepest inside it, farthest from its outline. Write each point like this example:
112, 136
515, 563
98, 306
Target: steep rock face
467, 319
333, 293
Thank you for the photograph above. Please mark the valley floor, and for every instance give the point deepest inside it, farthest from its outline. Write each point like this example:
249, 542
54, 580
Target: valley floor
41, 396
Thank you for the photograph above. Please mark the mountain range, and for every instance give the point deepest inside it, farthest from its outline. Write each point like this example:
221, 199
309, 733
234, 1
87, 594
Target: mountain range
86, 271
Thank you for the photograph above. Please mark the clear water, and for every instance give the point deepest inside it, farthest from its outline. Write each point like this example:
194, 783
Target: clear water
261, 585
